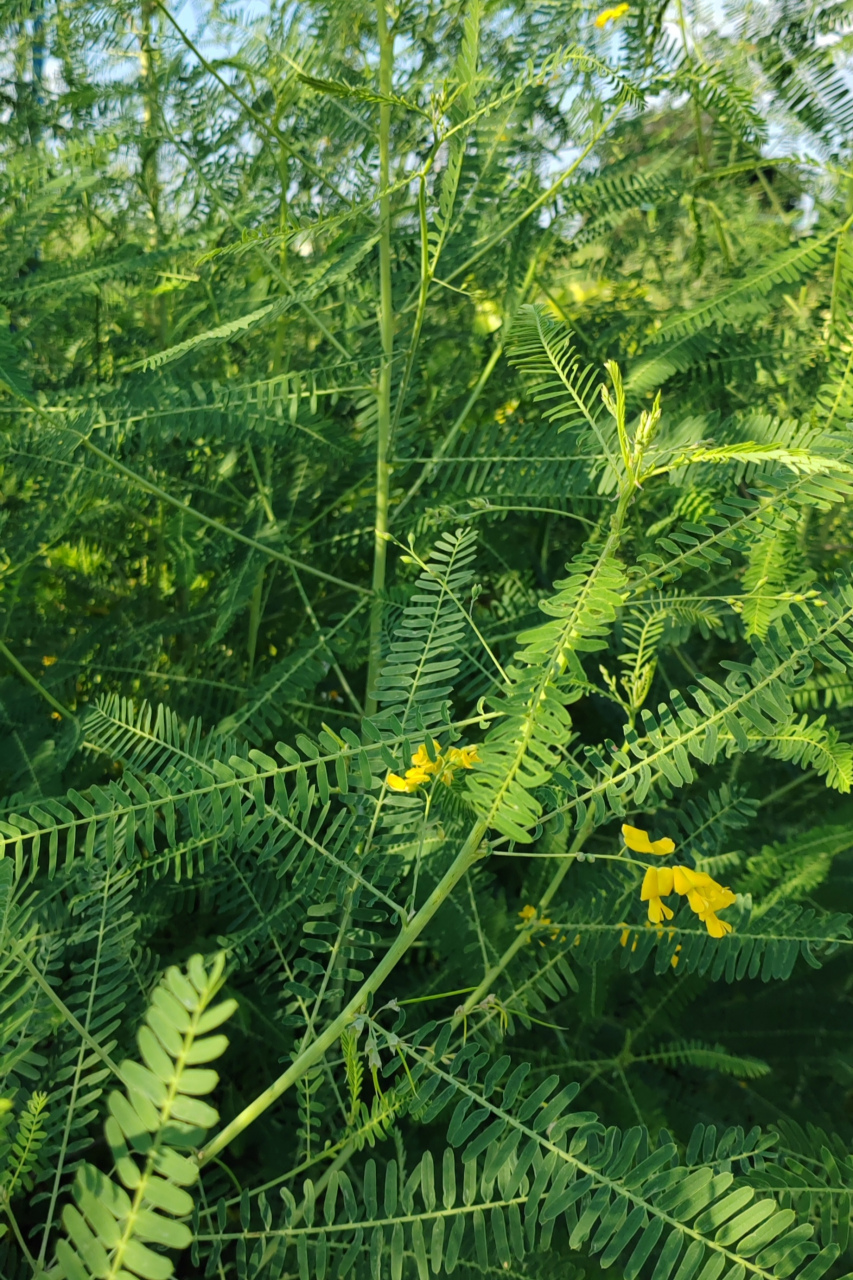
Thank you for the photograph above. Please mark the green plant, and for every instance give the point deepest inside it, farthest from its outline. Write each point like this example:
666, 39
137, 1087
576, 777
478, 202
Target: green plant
340, 346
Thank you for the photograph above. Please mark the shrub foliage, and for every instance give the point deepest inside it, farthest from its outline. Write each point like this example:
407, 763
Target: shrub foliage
426, 667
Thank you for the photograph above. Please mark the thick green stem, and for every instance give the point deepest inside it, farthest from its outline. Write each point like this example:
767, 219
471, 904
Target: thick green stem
386, 333
467, 855
151, 155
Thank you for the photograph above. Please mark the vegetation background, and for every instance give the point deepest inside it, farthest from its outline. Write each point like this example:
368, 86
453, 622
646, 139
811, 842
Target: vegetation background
331, 335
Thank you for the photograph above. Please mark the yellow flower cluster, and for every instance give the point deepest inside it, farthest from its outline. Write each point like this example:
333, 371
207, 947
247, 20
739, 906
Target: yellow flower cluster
611, 15
423, 768
704, 895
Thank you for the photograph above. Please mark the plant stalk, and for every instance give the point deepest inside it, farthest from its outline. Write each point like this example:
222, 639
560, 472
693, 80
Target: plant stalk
36, 684
467, 855
386, 333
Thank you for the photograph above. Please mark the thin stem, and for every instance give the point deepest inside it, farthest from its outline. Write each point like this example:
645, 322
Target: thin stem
315, 623
423, 293
451, 437
523, 937
273, 132
700, 137
466, 614
428, 467
36, 684
467, 855
538, 202
71, 1020
16, 1230
386, 333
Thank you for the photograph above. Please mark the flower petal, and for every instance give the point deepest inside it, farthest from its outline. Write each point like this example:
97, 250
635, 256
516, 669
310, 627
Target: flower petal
683, 880
717, 928
659, 911
650, 885
638, 842
611, 15
421, 758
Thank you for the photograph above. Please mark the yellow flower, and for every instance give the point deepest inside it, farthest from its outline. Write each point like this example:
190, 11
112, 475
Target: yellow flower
421, 758
396, 783
657, 884
705, 896
48, 661
716, 928
702, 892
527, 913
638, 842
422, 768
611, 15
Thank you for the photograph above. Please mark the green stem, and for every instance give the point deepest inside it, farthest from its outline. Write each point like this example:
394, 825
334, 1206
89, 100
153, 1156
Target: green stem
551, 192
336, 667
467, 855
386, 332
36, 684
423, 294
22, 1244
273, 133
513, 304
255, 613
428, 468
700, 137
523, 937
71, 1020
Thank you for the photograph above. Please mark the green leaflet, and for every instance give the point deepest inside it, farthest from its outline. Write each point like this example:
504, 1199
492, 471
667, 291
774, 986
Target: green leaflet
418, 672
520, 753
783, 268
152, 1131
534, 1170
752, 709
